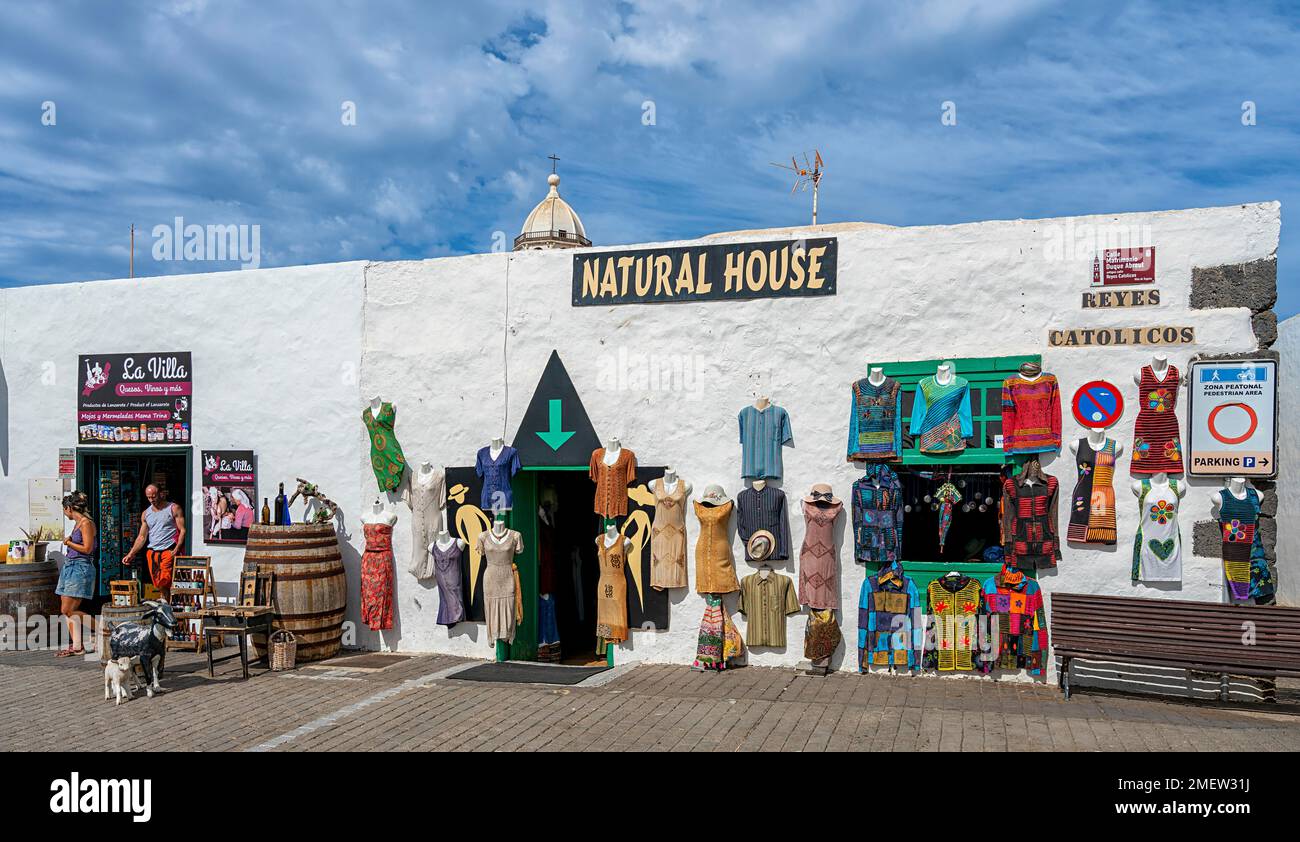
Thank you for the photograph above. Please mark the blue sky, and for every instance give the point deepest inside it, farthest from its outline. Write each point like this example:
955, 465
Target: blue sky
230, 113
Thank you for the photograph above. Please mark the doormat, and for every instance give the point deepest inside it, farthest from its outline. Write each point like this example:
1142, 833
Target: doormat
524, 672
372, 661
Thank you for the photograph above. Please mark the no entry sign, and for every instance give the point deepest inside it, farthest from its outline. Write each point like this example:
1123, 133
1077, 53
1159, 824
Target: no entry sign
1233, 418
1098, 404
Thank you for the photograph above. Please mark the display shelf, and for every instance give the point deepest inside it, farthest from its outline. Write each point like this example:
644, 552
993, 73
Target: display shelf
192, 593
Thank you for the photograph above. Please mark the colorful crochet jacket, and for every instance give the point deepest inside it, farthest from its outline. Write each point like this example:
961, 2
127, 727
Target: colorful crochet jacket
889, 631
955, 605
1014, 605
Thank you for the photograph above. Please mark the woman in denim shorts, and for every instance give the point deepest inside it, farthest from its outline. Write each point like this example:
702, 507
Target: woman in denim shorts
77, 578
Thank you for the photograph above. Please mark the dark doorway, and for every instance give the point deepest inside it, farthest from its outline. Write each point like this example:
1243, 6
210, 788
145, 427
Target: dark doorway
568, 547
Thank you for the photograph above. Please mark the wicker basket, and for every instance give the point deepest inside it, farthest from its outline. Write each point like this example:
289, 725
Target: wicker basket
284, 650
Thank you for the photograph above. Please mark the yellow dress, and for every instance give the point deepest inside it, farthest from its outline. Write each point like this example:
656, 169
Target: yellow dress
715, 568
611, 590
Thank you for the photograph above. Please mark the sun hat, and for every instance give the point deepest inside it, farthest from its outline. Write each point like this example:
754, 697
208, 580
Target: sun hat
760, 545
821, 488
715, 495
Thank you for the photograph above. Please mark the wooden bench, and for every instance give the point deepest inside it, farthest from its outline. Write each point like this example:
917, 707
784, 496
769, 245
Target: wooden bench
1200, 636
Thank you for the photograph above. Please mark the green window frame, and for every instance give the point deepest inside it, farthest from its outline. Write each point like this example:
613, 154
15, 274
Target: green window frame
985, 376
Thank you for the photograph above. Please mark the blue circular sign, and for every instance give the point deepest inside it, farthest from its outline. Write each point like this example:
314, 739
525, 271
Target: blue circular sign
1098, 404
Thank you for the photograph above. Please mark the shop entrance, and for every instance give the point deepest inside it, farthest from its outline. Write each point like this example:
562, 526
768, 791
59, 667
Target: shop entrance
114, 481
559, 559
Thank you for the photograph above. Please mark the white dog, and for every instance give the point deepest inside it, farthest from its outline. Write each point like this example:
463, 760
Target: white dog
120, 676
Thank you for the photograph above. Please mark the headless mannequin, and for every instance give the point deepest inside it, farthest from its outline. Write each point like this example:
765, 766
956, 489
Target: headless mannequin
613, 448
759, 484
1159, 367
1030, 372
611, 537
499, 529
670, 481
376, 403
379, 513
425, 475
943, 375
1162, 479
876, 377
762, 403
1097, 440
494, 449
443, 542
1236, 486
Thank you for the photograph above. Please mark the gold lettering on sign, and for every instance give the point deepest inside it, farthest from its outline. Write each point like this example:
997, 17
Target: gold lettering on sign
732, 272
1088, 337
815, 280
1108, 299
703, 286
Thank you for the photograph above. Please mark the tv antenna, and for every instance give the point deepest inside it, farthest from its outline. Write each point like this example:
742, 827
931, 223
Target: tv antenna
809, 173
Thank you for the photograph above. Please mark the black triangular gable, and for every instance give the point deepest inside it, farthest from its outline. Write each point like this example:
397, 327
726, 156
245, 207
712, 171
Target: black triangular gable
542, 442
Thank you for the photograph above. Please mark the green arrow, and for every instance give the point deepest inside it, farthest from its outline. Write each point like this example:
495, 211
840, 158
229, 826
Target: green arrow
555, 437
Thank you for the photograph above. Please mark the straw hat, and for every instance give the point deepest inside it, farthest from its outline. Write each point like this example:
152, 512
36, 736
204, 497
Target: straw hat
760, 545
823, 489
715, 495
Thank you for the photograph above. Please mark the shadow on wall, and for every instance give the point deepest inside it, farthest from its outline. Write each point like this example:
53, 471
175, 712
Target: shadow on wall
4, 422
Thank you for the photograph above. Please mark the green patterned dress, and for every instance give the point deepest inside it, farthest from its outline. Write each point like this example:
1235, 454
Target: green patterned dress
385, 453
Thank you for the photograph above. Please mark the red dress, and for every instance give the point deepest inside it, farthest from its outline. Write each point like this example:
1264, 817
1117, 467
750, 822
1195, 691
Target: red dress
1156, 447
377, 577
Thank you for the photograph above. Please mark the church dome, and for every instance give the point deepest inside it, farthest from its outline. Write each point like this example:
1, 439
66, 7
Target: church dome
553, 224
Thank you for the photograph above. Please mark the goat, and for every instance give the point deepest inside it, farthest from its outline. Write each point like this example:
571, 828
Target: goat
119, 680
149, 644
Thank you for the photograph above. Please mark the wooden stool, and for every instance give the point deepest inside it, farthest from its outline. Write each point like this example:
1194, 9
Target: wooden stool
241, 621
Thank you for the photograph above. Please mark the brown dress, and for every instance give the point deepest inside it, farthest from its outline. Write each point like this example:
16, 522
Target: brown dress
819, 575
715, 569
612, 481
668, 544
611, 590
500, 593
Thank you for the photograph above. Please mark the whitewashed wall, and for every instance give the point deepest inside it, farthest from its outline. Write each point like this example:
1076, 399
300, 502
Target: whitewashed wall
444, 339
1288, 486
275, 357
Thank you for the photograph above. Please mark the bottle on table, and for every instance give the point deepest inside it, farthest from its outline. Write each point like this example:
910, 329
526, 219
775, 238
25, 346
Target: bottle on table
266, 512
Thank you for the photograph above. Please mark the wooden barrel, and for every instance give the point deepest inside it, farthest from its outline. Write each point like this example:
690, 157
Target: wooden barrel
29, 588
111, 616
310, 587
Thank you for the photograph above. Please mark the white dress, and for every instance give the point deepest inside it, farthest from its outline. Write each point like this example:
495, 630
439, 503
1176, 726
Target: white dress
426, 500
1158, 547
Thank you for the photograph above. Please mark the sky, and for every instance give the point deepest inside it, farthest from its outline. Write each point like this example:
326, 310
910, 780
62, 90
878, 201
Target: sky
398, 130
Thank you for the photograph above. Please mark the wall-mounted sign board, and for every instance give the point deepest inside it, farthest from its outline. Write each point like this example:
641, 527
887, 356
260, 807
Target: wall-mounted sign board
1232, 418
1116, 267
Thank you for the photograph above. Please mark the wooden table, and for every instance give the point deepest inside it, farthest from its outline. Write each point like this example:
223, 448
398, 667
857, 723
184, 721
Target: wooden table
241, 621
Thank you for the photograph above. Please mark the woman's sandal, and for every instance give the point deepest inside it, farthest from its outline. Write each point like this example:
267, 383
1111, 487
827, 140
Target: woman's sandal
68, 651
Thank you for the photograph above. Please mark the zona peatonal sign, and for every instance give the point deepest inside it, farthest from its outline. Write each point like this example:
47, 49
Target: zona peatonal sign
779, 269
134, 398
1232, 426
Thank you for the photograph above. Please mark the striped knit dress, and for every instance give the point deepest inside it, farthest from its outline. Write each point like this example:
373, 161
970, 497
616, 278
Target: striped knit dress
1156, 446
1092, 508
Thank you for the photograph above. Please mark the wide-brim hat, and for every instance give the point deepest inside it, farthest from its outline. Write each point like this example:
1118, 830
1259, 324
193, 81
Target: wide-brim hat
760, 546
823, 488
715, 495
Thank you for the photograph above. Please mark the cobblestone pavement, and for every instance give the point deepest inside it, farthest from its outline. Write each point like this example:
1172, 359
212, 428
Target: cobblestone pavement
49, 704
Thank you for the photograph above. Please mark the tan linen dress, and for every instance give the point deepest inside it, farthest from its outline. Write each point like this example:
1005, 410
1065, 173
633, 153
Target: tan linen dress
499, 583
715, 569
611, 590
668, 541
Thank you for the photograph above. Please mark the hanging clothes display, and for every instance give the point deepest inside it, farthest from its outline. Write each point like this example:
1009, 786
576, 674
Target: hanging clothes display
763, 432
612, 481
877, 503
715, 568
819, 568
1156, 446
611, 590
821, 636
377, 576
718, 641
1092, 507
496, 474
946, 497
889, 633
1016, 601
875, 421
1031, 415
385, 453
427, 496
446, 573
1157, 546
954, 605
1030, 520
766, 601
764, 509
1244, 564
668, 537
941, 415
500, 583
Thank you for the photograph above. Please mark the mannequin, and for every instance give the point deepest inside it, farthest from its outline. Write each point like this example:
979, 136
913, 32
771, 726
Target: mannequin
613, 448
375, 404
611, 536
1162, 479
1031, 371
759, 484
499, 529
876, 376
1159, 367
1097, 440
444, 541
943, 374
1236, 486
425, 475
671, 479
498, 444
762, 403
379, 513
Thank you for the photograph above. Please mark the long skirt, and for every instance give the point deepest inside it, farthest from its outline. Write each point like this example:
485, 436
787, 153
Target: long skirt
377, 590
718, 639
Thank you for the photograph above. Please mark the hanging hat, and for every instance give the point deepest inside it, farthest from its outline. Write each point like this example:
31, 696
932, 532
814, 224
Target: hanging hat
821, 493
715, 495
760, 546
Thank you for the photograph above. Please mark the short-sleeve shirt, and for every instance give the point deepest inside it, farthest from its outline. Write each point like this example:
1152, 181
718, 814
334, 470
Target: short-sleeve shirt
762, 434
496, 474
765, 604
